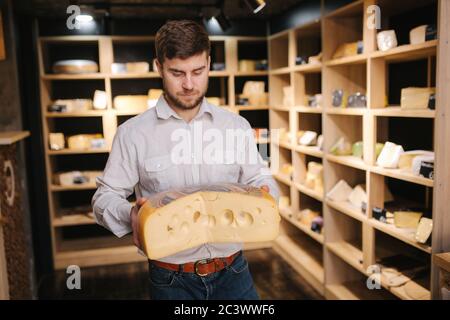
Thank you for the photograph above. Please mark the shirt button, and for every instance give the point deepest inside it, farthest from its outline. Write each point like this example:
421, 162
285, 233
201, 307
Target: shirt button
158, 165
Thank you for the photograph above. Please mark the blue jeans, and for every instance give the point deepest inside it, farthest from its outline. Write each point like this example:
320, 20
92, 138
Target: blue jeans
234, 282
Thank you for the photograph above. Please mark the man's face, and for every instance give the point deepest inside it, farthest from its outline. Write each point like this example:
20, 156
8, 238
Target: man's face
185, 81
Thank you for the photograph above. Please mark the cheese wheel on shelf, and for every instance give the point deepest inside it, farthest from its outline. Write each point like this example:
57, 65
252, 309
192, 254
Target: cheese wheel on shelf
173, 221
131, 103
75, 66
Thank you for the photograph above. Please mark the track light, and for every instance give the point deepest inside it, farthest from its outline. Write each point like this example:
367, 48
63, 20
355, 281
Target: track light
223, 21
255, 5
86, 15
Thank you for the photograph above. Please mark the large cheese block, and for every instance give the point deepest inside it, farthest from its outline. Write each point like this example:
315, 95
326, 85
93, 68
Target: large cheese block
390, 155
130, 67
386, 40
314, 176
71, 105
406, 158
56, 141
85, 141
75, 66
173, 221
247, 65
416, 98
358, 196
131, 103
341, 148
407, 219
348, 49
422, 33
424, 229
100, 100
76, 177
340, 192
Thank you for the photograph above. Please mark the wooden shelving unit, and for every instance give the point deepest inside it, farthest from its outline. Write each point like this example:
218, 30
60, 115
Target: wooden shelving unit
89, 244
352, 240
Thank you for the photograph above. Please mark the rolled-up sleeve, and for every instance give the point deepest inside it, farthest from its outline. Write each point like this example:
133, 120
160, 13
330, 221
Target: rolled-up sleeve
110, 205
256, 173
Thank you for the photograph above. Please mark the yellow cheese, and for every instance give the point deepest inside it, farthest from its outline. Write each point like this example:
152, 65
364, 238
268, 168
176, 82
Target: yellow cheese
341, 148
254, 92
131, 103
346, 49
177, 220
82, 141
415, 98
284, 202
287, 170
424, 230
406, 159
56, 141
138, 67
340, 191
100, 99
306, 216
247, 65
314, 176
407, 219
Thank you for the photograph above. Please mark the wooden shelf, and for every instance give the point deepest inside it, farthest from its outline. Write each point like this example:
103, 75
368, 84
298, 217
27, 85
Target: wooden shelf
349, 252
283, 179
135, 75
305, 109
353, 8
251, 73
408, 52
84, 186
88, 113
349, 161
73, 220
307, 230
284, 144
10, 137
308, 68
74, 151
396, 111
81, 76
356, 59
280, 108
354, 290
251, 108
284, 70
403, 235
348, 209
309, 150
401, 175
301, 260
219, 74
309, 192
346, 111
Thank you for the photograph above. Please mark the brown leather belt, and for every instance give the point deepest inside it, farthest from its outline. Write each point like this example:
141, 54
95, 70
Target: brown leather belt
201, 267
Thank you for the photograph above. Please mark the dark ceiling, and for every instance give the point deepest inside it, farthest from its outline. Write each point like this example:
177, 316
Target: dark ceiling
162, 9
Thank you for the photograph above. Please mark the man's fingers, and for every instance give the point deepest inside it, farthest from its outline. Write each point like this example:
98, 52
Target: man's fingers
265, 188
141, 201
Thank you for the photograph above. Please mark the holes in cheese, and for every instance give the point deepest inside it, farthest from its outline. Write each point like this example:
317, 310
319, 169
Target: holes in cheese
177, 220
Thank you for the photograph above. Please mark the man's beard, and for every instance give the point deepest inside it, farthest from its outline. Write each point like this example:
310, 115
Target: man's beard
179, 104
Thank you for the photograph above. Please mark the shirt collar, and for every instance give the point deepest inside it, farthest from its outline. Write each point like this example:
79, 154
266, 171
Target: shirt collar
164, 111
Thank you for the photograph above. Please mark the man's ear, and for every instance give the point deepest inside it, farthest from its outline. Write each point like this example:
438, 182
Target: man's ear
158, 67
209, 62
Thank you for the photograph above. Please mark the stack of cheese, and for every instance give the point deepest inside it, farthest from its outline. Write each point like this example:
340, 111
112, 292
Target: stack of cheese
418, 162
314, 177
86, 141
130, 67
411, 222
357, 196
253, 92
75, 66
76, 177
176, 220
80, 105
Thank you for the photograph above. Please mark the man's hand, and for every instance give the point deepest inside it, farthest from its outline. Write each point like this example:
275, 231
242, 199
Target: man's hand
265, 188
135, 221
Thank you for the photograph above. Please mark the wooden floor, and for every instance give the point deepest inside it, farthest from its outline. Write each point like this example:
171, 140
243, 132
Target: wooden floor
273, 277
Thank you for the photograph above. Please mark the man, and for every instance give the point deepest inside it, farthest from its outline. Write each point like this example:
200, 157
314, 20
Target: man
144, 159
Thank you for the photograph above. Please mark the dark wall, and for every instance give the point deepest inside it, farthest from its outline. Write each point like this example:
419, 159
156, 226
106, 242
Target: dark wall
11, 119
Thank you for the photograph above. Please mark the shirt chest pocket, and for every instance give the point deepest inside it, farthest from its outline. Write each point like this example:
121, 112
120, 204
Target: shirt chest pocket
227, 170
160, 173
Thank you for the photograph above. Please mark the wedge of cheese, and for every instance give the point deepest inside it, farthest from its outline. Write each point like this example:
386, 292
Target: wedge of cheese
340, 192
358, 196
131, 103
56, 141
341, 148
308, 138
173, 221
314, 176
424, 230
407, 219
390, 155
416, 98
406, 158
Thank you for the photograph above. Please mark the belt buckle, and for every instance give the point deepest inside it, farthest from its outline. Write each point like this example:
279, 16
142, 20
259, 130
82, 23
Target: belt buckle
203, 261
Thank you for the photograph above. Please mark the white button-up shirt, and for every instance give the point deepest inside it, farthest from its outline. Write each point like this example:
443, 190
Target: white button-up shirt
158, 150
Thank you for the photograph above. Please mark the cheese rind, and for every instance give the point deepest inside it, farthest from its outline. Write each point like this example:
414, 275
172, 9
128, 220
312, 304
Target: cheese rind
173, 221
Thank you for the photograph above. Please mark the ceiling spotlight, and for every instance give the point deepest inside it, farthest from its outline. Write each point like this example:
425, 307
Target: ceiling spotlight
223, 21
255, 5
85, 16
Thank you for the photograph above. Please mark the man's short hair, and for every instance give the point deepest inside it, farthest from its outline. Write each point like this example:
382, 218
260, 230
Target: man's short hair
181, 39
